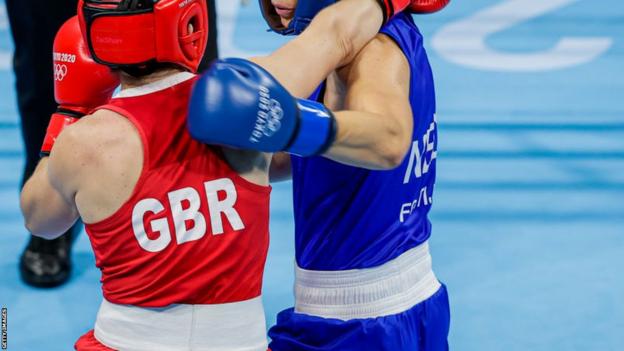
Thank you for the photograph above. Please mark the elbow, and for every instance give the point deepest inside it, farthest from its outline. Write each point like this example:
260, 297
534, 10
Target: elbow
342, 33
37, 229
392, 157
33, 228
354, 31
31, 223
393, 151
26, 207
345, 36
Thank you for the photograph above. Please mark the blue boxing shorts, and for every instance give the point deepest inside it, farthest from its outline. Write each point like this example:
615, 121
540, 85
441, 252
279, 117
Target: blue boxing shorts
323, 318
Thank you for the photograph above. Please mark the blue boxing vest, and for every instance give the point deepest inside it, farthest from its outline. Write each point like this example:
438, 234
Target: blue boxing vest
348, 217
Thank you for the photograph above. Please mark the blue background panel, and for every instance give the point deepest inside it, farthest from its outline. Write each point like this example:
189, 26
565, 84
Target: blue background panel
529, 206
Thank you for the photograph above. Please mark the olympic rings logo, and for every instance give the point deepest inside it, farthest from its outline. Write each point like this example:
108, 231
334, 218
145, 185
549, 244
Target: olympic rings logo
274, 120
60, 71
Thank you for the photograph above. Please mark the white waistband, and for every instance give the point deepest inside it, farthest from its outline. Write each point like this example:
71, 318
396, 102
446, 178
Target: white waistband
238, 326
391, 288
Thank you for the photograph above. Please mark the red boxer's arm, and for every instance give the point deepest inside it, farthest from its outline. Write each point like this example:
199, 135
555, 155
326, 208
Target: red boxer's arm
92, 170
47, 213
331, 40
58, 122
80, 84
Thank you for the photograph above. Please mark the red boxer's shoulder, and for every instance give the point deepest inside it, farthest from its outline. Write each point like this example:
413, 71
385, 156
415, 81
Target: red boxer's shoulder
98, 159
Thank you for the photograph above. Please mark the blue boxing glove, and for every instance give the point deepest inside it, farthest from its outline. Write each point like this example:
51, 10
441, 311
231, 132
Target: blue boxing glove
238, 103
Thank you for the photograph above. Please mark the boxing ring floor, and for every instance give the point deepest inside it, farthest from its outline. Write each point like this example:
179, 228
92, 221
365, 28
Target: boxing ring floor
529, 205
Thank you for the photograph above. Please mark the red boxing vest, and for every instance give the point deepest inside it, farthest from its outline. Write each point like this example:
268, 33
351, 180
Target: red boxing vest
193, 231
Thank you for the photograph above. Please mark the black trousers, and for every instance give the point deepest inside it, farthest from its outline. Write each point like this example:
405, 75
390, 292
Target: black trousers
212, 51
34, 24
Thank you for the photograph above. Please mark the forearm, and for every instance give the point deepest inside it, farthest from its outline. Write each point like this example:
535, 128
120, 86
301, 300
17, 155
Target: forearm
333, 39
368, 140
46, 213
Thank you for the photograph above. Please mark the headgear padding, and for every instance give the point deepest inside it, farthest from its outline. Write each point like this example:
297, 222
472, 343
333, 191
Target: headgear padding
130, 33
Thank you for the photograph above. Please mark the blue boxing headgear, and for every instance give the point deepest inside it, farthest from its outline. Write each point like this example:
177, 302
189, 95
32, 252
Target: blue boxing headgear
305, 12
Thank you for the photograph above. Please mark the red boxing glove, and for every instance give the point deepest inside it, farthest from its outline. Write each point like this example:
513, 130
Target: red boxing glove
392, 7
80, 84
58, 122
427, 6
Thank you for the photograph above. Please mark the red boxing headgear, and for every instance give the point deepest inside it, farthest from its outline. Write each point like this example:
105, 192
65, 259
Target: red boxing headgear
130, 33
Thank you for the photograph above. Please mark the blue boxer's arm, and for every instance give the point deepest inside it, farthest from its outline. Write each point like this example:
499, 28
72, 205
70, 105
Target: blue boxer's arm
376, 124
237, 103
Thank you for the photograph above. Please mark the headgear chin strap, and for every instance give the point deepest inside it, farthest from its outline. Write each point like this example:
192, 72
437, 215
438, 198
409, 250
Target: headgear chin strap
132, 33
304, 13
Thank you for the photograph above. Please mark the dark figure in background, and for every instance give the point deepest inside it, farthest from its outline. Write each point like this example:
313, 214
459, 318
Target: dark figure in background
34, 24
212, 51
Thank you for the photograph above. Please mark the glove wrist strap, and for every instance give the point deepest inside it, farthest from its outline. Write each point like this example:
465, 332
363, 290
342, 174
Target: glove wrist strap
316, 129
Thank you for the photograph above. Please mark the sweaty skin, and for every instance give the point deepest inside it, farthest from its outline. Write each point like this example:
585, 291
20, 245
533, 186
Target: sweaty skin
96, 162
